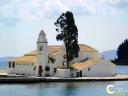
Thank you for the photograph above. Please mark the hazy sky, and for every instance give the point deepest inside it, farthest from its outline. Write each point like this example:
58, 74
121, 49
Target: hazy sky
102, 24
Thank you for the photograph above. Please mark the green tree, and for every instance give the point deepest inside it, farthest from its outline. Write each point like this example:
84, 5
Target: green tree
51, 60
122, 52
68, 33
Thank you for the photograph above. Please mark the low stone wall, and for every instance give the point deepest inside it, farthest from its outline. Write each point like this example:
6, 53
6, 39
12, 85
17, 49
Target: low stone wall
13, 79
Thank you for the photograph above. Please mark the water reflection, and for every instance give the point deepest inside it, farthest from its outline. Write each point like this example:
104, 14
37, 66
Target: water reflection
69, 89
59, 89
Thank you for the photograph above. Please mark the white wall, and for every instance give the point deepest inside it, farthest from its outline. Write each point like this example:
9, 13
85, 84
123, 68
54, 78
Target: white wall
64, 73
83, 55
20, 69
51, 72
101, 69
59, 58
42, 57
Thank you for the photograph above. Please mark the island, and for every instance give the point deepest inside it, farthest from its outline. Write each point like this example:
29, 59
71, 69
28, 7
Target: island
61, 63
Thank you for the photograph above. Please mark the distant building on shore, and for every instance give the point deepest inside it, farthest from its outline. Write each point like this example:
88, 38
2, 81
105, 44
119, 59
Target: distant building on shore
50, 60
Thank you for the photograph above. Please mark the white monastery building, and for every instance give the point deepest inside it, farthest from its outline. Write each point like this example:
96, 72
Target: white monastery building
51, 61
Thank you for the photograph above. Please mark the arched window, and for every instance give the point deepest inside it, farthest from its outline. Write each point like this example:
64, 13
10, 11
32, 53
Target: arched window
41, 48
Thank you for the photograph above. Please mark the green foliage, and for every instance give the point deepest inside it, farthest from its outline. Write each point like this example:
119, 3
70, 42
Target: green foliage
34, 68
122, 53
51, 59
68, 33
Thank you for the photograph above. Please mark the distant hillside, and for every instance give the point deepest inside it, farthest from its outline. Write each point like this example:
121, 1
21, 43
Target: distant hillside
109, 54
5, 59
4, 62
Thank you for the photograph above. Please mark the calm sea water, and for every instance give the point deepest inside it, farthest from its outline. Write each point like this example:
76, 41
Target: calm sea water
64, 89
60, 89
3, 65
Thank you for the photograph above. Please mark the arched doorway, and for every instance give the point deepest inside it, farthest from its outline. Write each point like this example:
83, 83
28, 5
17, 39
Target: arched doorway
40, 71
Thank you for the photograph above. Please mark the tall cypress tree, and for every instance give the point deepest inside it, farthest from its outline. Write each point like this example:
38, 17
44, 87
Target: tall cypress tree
68, 33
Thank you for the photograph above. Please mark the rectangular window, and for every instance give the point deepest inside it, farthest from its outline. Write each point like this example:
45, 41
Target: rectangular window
55, 69
13, 65
9, 64
77, 74
88, 69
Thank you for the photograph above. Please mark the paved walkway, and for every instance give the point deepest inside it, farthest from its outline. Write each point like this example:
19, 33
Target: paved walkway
112, 78
5, 78
3, 72
33, 79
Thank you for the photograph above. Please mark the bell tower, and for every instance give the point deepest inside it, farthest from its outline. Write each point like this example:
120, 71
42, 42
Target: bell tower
42, 54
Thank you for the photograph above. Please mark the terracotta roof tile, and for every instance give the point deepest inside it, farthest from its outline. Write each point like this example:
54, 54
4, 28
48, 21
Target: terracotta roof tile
87, 48
52, 50
56, 48
85, 64
24, 59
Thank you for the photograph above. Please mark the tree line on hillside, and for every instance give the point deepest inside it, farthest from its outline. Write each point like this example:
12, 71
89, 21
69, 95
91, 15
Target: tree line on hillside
122, 54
